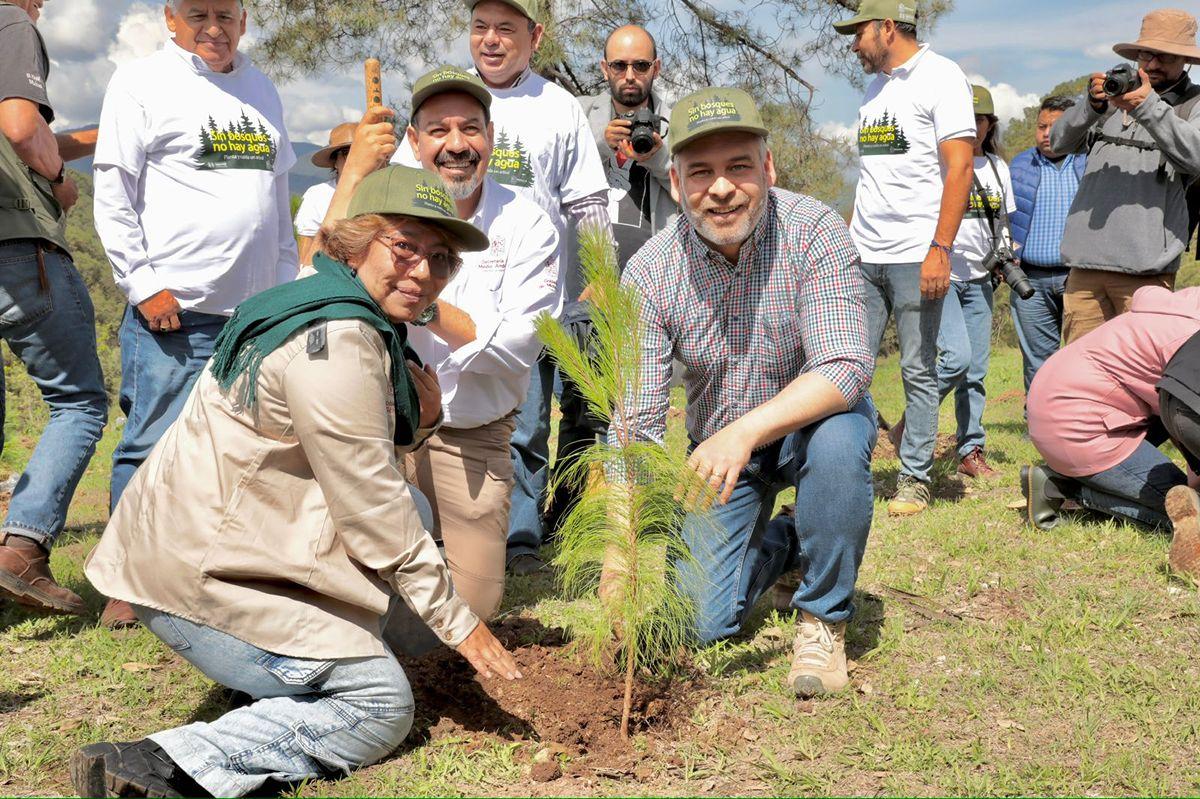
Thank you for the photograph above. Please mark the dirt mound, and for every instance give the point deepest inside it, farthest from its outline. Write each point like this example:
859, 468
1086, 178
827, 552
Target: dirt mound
562, 704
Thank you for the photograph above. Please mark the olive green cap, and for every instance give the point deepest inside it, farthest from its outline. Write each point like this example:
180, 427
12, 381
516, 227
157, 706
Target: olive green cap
405, 191
871, 10
981, 98
447, 78
713, 110
527, 7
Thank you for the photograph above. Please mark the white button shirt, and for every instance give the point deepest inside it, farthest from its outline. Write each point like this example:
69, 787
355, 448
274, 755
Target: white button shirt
503, 289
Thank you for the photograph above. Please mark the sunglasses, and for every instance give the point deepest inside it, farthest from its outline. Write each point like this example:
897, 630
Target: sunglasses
442, 265
619, 67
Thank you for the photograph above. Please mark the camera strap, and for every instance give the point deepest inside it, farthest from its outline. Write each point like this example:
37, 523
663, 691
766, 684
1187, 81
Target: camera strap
991, 215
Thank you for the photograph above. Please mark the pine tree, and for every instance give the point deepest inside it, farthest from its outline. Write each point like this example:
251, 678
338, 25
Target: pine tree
621, 538
524, 176
244, 124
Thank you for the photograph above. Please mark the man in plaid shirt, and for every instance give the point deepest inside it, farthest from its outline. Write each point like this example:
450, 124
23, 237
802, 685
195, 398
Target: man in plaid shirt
757, 292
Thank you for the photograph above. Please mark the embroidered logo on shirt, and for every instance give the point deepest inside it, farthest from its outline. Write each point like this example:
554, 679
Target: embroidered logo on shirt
238, 145
882, 136
510, 163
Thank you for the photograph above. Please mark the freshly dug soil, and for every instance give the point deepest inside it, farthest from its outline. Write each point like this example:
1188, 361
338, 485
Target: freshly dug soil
563, 704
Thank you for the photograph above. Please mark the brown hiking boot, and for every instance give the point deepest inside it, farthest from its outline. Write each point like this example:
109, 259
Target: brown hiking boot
1183, 506
974, 465
118, 614
25, 577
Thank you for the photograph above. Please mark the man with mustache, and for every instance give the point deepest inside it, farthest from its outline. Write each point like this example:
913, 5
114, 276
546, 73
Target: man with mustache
193, 210
758, 292
916, 139
481, 336
1128, 224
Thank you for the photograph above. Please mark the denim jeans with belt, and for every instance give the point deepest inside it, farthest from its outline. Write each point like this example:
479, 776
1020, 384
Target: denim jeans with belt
964, 348
895, 290
310, 718
739, 550
1038, 320
158, 371
46, 317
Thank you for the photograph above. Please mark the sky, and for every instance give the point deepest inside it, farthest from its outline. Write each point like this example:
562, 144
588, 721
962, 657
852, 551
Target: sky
1018, 48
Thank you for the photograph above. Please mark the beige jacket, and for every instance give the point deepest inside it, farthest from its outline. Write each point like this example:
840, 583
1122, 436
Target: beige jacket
288, 526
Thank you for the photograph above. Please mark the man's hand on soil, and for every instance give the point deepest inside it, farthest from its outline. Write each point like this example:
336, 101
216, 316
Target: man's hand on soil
487, 655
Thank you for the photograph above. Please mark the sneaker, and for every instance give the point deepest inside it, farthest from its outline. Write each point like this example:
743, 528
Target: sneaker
525, 563
1183, 507
25, 577
818, 657
138, 768
785, 588
974, 465
911, 497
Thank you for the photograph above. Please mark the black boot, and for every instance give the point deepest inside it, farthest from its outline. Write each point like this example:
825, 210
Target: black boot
1044, 494
139, 768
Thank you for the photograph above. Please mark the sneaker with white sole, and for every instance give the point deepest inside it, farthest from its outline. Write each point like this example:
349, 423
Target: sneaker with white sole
818, 657
911, 497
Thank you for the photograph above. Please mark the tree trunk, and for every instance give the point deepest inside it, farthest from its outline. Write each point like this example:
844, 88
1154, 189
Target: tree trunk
630, 662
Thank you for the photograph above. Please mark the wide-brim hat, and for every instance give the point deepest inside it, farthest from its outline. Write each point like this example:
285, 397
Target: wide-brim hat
713, 110
447, 78
407, 191
339, 139
1165, 30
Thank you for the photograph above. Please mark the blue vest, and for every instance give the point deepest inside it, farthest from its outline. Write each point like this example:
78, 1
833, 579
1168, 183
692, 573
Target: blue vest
1026, 175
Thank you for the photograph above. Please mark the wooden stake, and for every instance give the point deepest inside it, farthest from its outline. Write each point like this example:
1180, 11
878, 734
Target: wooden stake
373, 82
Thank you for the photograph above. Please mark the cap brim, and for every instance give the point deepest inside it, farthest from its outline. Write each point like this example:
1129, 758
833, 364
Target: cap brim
685, 141
325, 156
466, 87
469, 237
849, 26
1130, 50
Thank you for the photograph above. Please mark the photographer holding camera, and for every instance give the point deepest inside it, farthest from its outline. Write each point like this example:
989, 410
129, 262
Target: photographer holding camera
982, 252
1128, 224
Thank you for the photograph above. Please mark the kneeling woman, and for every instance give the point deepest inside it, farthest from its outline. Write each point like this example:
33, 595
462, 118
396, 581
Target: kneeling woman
1096, 414
265, 535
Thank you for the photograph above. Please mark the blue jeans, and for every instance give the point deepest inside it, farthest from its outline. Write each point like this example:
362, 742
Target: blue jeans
1135, 489
531, 459
739, 551
964, 347
51, 327
895, 289
311, 718
1038, 320
158, 371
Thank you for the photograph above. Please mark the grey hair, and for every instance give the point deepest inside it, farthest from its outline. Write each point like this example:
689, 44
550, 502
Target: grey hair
762, 152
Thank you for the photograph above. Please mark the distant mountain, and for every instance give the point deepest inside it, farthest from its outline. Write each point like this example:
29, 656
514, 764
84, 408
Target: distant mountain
303, 174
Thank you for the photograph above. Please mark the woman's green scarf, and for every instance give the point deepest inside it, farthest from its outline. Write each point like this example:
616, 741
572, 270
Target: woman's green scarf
262, 323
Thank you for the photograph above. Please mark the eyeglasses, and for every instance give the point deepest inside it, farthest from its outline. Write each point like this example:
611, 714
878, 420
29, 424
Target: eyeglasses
1146, 56
619, 67
442, 265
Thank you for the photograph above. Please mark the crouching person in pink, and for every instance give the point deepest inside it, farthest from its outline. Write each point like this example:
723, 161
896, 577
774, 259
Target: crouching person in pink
271, 526
1094, 415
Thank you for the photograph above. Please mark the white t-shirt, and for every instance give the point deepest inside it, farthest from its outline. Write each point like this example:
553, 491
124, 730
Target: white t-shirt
543, 149
313, 206
503, 289
191, 181
974, 239
903, 119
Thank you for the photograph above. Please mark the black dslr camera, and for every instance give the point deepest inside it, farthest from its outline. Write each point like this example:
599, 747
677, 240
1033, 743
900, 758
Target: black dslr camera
1001, 258
1121, 79
645, 123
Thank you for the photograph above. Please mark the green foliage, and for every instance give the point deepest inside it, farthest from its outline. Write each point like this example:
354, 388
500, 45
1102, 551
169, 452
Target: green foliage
622, 537
805, 161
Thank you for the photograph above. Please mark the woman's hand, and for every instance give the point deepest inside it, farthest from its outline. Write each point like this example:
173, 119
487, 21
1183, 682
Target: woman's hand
487, 655
429, 392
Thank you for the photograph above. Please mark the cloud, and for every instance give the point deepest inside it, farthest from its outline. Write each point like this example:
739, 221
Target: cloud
1100, 50
311, 107
141, 32
837, 131
1009, 102
62, 28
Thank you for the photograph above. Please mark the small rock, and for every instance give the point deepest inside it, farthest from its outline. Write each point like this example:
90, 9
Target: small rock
545, 772
543, 755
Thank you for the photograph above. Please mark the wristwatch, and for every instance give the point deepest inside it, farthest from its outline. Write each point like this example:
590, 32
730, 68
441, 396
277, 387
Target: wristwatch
61, 176
428, 315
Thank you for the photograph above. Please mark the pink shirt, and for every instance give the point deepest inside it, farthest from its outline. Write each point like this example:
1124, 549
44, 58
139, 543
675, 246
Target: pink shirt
1091, 403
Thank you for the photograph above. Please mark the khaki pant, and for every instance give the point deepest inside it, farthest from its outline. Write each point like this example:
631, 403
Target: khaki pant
467, 475
1092, 297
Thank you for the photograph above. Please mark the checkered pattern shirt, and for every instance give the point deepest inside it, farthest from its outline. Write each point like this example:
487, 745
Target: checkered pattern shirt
1057, 185
792, 304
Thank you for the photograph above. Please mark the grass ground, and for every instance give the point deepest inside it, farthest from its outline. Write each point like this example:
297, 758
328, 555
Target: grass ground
1032, 663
